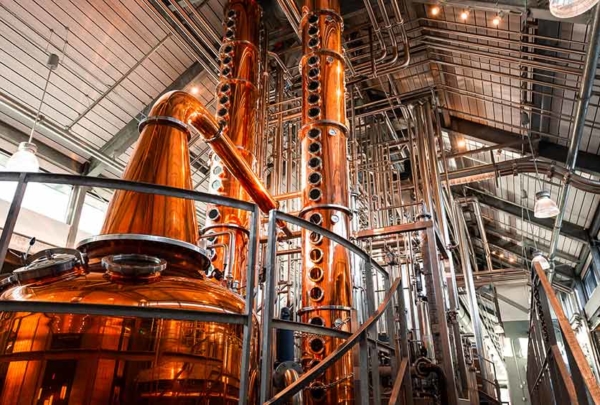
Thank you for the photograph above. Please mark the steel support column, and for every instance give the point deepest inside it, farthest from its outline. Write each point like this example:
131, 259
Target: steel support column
437, 312
584, 96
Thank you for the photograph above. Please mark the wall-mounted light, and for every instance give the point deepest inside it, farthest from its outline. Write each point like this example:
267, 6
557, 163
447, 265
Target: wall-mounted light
465, 14
498, 18
435, 10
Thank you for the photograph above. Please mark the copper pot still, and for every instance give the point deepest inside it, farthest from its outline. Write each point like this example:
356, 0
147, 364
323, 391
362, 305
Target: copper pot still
146, 255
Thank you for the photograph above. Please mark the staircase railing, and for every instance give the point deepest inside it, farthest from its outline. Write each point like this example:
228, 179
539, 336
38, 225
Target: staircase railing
367, 368
490, 387
550, 378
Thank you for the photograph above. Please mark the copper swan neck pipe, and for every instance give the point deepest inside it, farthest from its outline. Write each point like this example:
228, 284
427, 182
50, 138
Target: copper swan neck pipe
182, 110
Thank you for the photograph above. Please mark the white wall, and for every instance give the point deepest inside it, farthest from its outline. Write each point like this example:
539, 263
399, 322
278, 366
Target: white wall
47, 231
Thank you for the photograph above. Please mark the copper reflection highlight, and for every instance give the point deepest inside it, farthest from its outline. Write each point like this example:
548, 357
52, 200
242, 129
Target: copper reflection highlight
237, 95
97, 360
161, 157
326, 284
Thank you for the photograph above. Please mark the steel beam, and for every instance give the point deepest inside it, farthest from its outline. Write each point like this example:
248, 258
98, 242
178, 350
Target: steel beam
11, 218
512, 303
127, 136
586, 161
584, 97
529, 243
569, 230
562, 269
13, 136
514, 245
21, 113
594, 228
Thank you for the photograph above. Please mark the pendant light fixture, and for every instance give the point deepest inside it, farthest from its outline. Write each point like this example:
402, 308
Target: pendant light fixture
538, 257
25, 159
545, 207
570, 8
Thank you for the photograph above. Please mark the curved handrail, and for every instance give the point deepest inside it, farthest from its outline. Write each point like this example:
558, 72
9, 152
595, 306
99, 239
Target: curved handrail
580, 364
302, 223
116, 184
342, 349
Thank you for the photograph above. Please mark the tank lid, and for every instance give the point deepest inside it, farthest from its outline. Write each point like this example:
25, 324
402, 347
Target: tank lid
133, 265
6, 282
49, 263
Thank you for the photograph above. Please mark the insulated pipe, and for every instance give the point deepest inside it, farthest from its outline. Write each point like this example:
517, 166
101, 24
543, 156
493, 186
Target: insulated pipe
434, 134
469, 283
285, 338
585, 93
479, 219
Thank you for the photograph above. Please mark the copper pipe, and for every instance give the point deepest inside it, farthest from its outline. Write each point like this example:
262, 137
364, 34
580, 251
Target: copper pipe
326, 271
288, 196
180, 110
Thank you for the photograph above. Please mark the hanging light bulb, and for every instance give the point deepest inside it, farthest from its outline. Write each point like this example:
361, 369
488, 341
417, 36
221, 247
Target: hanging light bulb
435, 10
570, 8
25, 159
538, 257
545, 207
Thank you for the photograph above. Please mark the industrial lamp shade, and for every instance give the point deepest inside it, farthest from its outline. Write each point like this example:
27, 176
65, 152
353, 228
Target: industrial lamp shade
570, 8
545, 207
24, 159
538, 257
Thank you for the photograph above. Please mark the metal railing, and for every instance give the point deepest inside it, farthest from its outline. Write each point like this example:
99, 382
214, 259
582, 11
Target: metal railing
245, 319
359, 339
490, 387
551, 379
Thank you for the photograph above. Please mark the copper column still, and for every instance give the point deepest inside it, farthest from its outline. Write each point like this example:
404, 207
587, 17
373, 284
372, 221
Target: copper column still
149, 256
327, 283
237, 96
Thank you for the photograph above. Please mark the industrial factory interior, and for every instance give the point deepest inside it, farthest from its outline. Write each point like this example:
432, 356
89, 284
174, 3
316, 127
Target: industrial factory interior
263, 202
